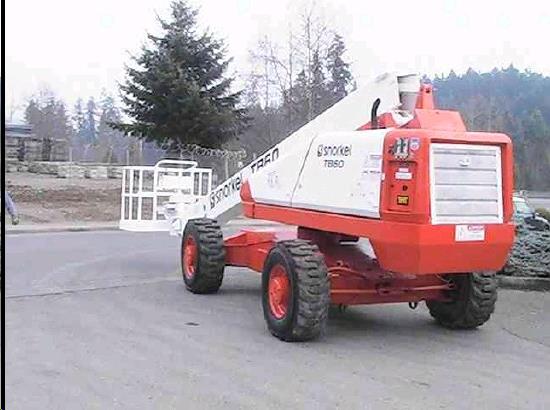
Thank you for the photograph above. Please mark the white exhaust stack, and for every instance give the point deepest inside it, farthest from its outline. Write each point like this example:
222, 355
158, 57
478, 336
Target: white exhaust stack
408, 85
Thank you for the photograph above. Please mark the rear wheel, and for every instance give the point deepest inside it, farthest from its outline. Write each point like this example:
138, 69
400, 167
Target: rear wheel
202, 256
472, 301
295, 291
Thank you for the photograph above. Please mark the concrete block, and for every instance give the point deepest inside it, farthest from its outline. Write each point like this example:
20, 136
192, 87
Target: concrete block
114, 172
96, 172
71, 171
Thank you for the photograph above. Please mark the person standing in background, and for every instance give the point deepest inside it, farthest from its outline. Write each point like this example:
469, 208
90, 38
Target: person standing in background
10, 207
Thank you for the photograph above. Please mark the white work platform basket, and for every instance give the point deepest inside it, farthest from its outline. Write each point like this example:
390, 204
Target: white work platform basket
152, 195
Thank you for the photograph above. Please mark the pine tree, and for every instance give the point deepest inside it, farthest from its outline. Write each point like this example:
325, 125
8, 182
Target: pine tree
33, 114
79, 121
299, 101
90, 127
339, 70
179, 93
320, 97
110, 140
62, 126
49, 120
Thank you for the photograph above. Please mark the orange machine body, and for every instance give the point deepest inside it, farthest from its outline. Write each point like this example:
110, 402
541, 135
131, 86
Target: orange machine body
404, 238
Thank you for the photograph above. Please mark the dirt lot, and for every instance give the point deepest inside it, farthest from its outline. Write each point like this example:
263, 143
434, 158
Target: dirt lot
48, 199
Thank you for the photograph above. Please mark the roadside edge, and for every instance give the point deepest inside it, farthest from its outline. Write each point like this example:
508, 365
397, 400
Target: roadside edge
524, 283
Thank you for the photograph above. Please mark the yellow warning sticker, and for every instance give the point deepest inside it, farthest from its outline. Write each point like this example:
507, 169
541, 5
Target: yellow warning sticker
402, 200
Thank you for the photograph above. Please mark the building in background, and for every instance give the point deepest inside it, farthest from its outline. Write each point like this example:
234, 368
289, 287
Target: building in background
22, 145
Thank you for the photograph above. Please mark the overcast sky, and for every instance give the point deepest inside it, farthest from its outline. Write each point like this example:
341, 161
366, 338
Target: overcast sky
77, 48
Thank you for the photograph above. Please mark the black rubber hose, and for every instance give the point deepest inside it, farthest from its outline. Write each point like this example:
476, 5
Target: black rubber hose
374, 114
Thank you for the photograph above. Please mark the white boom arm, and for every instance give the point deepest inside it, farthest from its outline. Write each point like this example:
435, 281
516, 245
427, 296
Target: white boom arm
395, 92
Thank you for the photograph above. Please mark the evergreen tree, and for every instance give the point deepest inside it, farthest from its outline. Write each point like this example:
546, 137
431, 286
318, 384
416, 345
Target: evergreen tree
49, 120
110, 140
33, 115
319, 94
298, 101
62, 125
179, 93
339, 70
79, 121
90, 127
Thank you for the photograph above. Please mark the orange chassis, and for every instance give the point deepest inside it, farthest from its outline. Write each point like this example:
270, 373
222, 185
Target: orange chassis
355, 278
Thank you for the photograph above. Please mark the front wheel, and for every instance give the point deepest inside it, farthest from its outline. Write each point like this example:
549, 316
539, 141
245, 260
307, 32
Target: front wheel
472, 301
202, 256
295, 291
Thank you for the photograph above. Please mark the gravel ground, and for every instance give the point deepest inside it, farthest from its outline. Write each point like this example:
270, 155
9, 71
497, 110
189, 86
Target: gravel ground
48, 199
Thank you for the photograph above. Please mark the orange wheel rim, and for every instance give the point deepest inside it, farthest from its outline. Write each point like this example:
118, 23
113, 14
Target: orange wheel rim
278, 291
189, 257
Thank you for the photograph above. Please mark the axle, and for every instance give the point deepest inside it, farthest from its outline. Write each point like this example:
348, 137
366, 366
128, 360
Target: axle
355, 277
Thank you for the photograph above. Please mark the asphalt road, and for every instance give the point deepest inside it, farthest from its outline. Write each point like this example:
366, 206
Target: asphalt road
102, 321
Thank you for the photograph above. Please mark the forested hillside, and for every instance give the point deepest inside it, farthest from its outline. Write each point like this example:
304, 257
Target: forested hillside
516, 103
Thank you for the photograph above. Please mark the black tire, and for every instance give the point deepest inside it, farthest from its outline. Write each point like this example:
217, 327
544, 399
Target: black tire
473, 301
209, 261
309, 298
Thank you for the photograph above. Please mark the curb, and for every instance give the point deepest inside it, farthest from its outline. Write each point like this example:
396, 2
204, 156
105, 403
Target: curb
536, 284
52, 229
29, 229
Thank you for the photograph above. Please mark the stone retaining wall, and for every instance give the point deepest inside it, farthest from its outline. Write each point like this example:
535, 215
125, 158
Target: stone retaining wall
71, 171
67, 169
17, 166
45, 167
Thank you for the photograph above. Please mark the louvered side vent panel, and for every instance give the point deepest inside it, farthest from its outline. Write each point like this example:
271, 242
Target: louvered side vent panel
466, 184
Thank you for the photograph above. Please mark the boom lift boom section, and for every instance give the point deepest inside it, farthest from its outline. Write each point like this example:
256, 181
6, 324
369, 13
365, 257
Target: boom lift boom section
394, 94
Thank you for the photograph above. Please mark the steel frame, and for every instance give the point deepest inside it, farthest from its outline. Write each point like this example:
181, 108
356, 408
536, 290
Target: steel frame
355, 278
